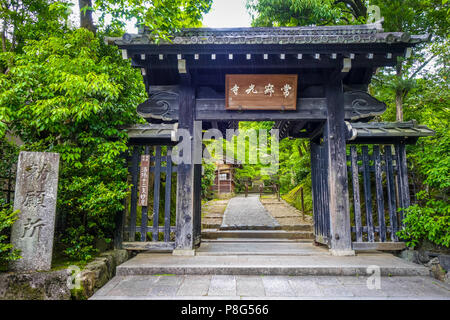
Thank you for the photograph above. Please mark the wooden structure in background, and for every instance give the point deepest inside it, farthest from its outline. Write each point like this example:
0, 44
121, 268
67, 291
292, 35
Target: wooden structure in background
224, 178
186, 82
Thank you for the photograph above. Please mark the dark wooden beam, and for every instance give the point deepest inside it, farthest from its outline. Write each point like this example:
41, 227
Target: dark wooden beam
185, 178
163, 104
214, 110
276, 49
335, 141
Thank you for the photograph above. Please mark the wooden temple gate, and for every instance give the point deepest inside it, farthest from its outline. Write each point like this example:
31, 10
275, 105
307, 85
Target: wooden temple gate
332, 68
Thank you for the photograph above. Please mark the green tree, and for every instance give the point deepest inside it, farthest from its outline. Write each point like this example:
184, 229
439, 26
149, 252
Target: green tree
8, 158
72, 95
429, 163
161, 17
280, 13
416, 89
414, 17
65, 91
21, 20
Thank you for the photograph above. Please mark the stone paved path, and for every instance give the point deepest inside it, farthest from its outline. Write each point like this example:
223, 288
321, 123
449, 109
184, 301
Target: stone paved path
247, 213
194, 287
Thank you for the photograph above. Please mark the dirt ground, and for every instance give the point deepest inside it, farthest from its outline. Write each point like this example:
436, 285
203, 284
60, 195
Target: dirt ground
286, 215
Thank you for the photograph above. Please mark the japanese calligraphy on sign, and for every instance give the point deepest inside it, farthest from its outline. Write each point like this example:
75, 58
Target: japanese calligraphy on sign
143, 180
261, 91
35, 198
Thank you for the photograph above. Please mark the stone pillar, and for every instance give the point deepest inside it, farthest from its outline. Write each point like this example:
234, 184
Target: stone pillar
35, 198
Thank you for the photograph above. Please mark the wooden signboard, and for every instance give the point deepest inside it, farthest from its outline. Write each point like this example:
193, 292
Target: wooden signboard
143, 180
261, 91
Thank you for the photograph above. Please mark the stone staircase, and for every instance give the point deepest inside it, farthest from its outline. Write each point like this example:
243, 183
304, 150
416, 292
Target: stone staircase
291, 225
257, 234
284, 251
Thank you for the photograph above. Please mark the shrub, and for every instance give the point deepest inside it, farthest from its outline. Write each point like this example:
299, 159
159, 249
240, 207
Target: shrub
73, 94
431, 222
7, 218
293, 197
208, 175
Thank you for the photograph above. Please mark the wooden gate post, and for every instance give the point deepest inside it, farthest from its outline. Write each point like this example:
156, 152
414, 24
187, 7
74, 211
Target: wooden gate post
335, 142
186, 204
319, 180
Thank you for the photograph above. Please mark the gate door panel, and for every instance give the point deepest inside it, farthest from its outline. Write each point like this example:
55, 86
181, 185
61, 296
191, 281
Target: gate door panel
150, 209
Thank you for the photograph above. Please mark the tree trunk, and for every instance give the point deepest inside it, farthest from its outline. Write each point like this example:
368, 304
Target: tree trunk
399, 104
399, 95
4, 36
86, 20
300, 151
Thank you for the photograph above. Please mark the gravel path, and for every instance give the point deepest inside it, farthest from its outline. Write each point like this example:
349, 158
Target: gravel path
247, 213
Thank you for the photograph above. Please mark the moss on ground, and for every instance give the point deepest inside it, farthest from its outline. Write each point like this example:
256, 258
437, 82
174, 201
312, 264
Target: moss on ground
25, 291
293, 197
78, 294
60, 262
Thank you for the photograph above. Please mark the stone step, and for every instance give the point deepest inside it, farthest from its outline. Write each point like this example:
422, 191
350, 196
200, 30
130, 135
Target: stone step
260, 248
258, 240
214, 224
307, 265
262, 234
297, 227
207, 225
255, 227
212, 216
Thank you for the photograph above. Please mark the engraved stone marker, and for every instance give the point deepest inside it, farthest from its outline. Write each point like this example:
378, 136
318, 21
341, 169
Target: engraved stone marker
35, 197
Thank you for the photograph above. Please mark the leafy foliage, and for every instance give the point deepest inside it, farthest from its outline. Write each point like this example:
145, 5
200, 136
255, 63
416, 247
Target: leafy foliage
208, 176
430, 222
162, 17
268, 13
65, 91
416, 89
293, 197
429, 162
7, 218
72, 95
30, 19
8, 159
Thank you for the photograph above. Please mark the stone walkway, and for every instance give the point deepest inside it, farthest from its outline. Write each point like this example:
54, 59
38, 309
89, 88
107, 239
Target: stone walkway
204, 287
247, 213
254, 266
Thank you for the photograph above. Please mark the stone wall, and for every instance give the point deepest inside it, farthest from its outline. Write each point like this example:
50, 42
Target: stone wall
98, 272
52, 285
437, 262
46, 285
